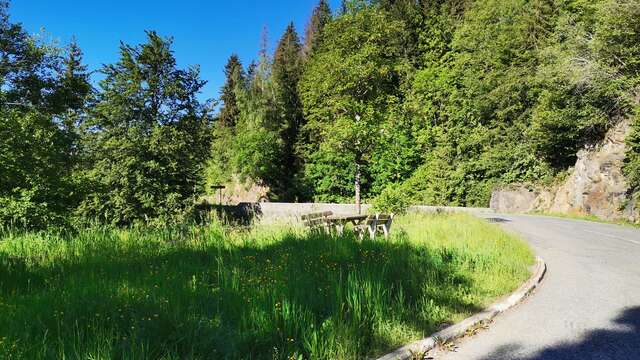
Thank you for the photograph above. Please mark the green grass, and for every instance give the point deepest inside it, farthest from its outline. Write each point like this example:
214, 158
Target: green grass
268, 293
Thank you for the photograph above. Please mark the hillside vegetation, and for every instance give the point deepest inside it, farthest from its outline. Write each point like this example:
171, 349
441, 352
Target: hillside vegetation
435, 101
431, 101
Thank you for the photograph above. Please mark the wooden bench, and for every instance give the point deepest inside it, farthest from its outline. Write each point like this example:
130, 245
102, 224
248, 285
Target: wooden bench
317, 221
375, 224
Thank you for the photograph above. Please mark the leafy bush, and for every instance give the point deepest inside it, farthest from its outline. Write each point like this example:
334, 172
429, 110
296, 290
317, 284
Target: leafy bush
632, 159
393, 199
22, 210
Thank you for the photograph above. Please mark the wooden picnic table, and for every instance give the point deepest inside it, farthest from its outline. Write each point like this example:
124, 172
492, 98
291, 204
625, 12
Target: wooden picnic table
340, 221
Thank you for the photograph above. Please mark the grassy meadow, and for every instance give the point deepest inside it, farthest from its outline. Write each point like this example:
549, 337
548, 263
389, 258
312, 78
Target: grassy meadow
269, 292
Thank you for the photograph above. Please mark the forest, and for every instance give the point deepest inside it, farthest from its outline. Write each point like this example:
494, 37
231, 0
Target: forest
393, 101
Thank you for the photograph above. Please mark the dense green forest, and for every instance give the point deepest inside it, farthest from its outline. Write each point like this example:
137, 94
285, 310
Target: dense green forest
405, 101
433, 102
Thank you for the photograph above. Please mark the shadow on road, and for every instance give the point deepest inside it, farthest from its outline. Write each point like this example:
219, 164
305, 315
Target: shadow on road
609, 344
498, 220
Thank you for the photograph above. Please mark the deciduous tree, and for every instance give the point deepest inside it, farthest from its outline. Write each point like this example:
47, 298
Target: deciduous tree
345, 91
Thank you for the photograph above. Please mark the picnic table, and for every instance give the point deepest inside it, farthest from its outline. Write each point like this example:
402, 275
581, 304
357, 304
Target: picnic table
340, 221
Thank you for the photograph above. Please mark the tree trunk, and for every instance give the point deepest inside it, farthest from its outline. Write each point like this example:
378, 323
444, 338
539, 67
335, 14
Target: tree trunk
357, 186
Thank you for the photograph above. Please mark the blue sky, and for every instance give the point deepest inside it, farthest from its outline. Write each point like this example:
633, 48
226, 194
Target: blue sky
204, 32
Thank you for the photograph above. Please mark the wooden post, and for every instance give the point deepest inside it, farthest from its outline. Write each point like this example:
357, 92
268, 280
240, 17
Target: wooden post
219, 188
357, 186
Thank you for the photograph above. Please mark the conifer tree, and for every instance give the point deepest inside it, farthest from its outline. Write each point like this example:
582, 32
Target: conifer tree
73, 87
235, 75
315, 29
146, 139
286, 71
75, 77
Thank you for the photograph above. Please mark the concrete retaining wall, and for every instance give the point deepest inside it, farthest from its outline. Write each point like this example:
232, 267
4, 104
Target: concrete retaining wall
290, 212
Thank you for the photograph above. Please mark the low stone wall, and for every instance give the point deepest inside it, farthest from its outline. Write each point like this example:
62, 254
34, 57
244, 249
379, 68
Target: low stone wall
520, 199
291, 212
451, 209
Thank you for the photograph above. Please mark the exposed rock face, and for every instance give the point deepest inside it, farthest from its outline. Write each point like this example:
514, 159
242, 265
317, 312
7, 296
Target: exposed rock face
595, 186
236, 192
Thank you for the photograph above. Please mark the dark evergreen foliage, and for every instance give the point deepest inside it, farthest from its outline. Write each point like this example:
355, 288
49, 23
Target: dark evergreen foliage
146, 138
234, 73
287, 69
315, 29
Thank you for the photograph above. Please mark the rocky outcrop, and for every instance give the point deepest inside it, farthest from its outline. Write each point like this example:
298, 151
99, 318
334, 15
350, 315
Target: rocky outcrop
236, 192
595, 186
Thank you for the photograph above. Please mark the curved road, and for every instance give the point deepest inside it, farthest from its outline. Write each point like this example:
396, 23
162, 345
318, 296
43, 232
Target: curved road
588, 306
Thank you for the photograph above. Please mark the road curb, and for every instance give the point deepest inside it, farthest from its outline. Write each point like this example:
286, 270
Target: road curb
460, 329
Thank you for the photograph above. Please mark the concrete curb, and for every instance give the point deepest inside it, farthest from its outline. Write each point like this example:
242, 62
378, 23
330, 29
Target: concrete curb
458, 330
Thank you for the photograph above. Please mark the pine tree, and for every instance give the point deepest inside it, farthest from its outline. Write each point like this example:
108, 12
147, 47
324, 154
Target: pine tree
287, 70
315, 29
75, 78
147, 138
235, 76
73, 87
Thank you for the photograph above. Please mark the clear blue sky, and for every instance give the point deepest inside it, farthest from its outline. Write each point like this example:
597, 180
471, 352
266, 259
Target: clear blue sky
205, 32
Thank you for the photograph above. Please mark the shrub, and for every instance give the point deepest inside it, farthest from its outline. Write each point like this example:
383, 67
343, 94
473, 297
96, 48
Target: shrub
393, 199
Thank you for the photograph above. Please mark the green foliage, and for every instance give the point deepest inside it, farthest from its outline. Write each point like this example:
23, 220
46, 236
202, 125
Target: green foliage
268, 293
235, 76
314, 34
42, 90
452, 98
617, 35
263, 146
522, 90
146, 138
36, 189
393, 199
444, 99
254, 149
287, 70
347, 89
632, 160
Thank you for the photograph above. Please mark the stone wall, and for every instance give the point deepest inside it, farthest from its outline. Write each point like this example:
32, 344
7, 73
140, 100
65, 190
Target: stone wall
291, 212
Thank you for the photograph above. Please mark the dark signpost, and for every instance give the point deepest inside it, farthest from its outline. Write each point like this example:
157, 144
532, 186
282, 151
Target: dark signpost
219, 188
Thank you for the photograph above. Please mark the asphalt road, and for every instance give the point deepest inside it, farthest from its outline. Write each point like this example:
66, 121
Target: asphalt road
588, 306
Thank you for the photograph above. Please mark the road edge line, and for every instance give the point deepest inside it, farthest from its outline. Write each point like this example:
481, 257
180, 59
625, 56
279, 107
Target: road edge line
460, 329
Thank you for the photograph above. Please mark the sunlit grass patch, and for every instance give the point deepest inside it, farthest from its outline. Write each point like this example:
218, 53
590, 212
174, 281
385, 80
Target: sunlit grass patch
265, 293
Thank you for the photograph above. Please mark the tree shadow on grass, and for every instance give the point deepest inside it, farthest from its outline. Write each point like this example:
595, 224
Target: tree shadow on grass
237, 302
602, 344
16, 276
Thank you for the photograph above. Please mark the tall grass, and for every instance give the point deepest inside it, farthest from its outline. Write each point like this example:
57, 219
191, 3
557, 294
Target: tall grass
268, 293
